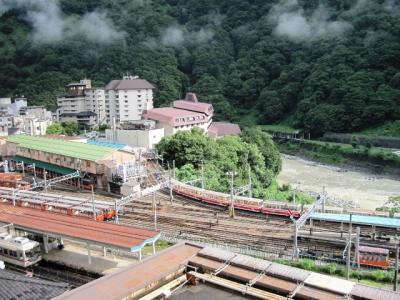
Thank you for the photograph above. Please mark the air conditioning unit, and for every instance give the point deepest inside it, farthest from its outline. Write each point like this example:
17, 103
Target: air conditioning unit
5, 236
21, 240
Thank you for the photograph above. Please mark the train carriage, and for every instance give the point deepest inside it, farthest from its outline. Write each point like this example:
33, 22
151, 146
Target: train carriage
19, 251
240, 202
374, 257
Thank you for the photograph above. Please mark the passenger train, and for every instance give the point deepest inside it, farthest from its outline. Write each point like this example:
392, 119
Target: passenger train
19, 251
241, 203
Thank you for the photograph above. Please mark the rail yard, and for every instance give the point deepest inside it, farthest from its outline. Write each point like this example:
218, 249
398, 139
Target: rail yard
224, 232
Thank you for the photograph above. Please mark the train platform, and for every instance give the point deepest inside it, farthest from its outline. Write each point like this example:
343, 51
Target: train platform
74, 255
109, 235
385, 222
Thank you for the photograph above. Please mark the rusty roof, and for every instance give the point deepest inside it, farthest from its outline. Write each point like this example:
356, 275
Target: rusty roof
131, 280
120, 236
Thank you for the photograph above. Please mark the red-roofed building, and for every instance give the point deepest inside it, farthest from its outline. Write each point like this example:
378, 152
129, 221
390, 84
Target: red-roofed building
221, 129
184, 115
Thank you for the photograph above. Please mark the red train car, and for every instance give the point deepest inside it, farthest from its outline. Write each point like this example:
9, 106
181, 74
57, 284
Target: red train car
241, 203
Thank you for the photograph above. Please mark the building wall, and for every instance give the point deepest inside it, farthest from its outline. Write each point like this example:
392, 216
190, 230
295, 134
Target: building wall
128, 105
71, 104
96, 102
137, 138
33, 126
171, 130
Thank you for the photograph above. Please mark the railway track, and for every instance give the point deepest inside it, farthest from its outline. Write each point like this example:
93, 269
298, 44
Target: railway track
57, 273
188, 219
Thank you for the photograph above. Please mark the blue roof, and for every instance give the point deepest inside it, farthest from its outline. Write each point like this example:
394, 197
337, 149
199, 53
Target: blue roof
358, 219
106, 144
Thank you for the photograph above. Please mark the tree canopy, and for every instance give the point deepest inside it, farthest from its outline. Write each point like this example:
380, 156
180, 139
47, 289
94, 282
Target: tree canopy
336, 69
191, 149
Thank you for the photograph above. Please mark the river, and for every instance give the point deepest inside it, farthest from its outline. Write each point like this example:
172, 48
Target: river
366, 190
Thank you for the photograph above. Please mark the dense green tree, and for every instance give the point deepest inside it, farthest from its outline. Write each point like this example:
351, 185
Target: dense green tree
55, 128
191, 149
230, 54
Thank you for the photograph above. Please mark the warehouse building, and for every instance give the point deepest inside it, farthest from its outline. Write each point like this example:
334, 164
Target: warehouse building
97, 164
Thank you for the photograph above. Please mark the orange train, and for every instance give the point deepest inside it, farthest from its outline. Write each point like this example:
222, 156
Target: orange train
72, 206
374, 257
241, 203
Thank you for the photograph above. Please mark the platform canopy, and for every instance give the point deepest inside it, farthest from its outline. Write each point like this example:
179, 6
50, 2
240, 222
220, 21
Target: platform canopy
358, 219
77, 228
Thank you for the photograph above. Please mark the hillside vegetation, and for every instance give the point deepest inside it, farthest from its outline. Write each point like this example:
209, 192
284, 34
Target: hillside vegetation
321, 65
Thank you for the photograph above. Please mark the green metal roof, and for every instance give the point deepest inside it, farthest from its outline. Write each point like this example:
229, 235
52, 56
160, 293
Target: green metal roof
66, 148
44, 165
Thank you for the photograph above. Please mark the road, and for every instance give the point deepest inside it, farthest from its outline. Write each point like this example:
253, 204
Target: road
368, 190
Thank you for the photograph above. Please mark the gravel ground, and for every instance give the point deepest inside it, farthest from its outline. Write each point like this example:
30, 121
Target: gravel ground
367, 190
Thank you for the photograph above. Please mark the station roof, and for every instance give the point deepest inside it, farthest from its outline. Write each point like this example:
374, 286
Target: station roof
117, 236
135, 278
66, 148
358, 219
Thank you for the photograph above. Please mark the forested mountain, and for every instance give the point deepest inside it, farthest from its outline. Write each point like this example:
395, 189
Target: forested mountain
322, 65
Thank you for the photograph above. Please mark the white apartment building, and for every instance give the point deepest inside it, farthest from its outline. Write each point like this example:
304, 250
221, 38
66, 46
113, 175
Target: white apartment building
96, 102
127, 99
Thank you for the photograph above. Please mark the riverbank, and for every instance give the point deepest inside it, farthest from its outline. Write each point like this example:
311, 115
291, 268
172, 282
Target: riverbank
368, 190
373, 159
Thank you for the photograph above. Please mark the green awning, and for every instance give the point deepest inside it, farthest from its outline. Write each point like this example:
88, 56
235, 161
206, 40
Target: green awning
43, 165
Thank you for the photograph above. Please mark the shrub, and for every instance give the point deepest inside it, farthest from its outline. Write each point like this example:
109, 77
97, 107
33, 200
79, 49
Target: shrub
307, 264
330, 268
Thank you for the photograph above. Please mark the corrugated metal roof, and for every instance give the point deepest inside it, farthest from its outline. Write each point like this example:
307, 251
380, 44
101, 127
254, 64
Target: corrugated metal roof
249, 262
66, 148
288, 272
358, 219
330, 283
372, 293
216, 253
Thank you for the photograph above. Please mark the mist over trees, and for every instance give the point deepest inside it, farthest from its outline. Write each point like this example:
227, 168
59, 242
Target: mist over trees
321, 65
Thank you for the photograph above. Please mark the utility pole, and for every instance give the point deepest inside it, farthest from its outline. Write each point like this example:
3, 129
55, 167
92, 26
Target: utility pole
93, 207
250, 183
202, 174
155, 211
232, 205
116, 212
23, 168
34, 173
173, 168
396, 271
171, 196
349, 250
357, 247
45, 180
295, 247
